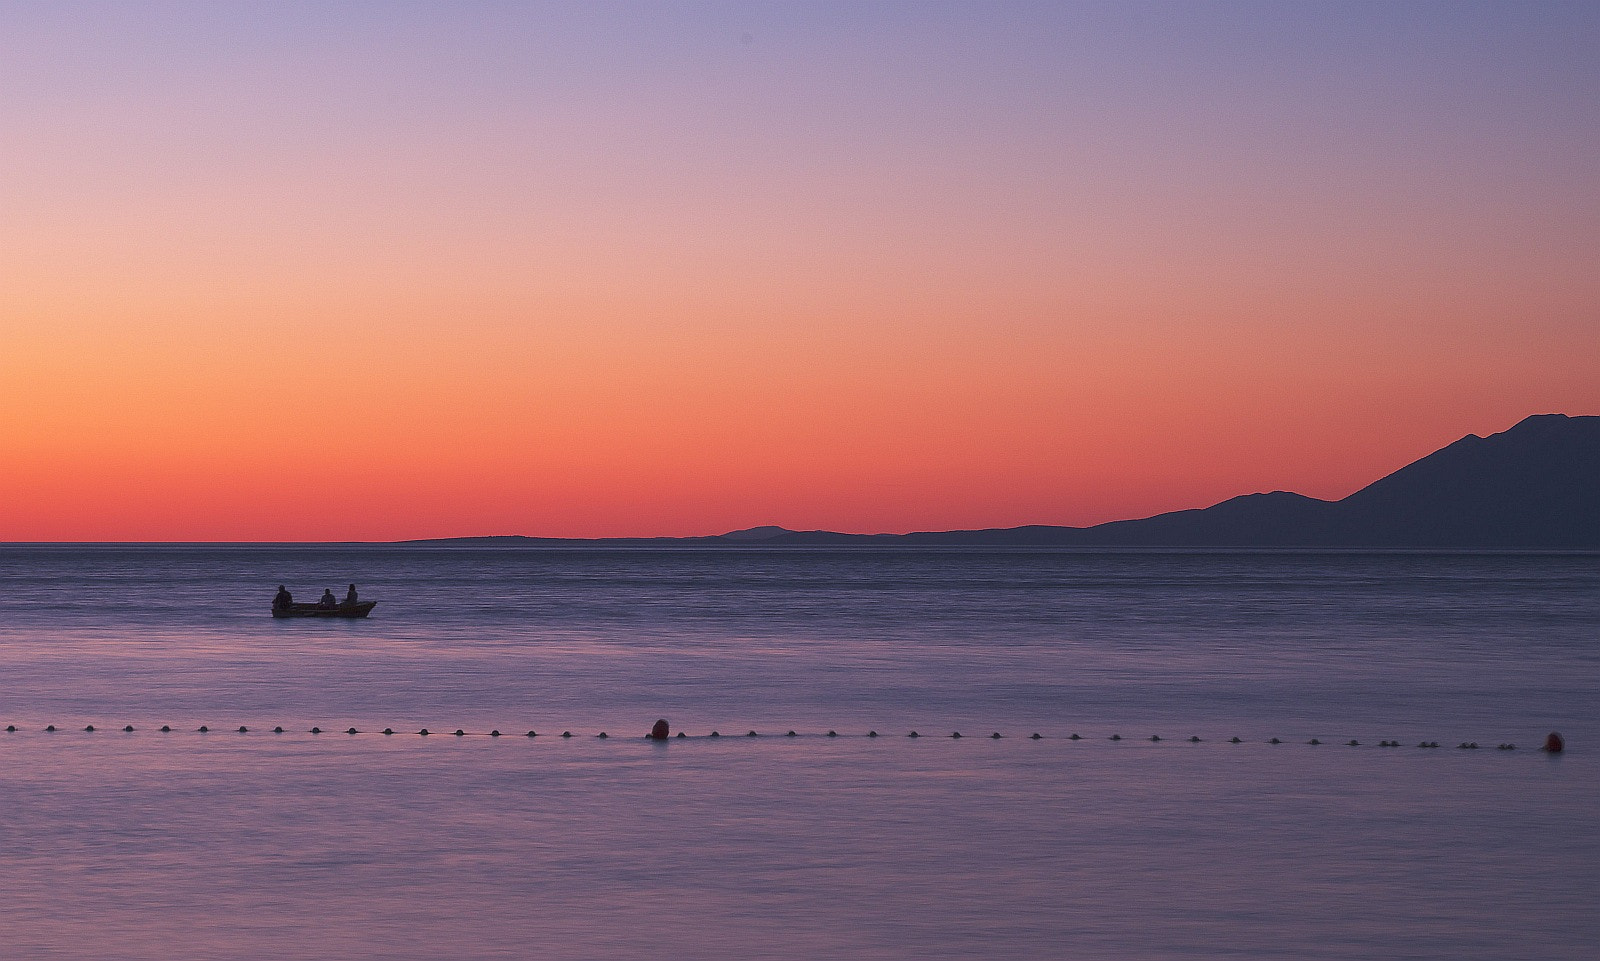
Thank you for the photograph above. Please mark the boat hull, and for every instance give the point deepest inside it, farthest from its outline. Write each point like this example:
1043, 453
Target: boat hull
316, 610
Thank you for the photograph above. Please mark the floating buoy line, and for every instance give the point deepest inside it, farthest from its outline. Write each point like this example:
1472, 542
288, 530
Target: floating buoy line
1553, 743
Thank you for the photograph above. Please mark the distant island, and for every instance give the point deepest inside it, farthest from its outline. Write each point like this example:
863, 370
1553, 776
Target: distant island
1535, 486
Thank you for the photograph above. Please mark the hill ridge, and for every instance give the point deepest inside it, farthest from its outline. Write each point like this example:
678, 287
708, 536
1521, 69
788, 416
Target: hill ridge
1535, 485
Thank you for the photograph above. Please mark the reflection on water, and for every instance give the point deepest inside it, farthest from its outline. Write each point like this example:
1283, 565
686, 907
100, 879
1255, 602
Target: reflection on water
225, 845
245, 846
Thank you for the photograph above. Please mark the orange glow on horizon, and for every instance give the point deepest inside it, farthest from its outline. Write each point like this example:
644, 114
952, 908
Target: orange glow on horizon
433, 274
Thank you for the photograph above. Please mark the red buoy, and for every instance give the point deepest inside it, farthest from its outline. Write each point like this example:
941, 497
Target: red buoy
659, 731
1554, 744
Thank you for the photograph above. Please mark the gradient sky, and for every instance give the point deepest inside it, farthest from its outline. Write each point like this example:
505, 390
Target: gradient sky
309, 271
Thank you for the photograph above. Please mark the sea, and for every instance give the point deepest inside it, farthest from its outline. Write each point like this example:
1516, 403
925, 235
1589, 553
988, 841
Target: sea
1227, 762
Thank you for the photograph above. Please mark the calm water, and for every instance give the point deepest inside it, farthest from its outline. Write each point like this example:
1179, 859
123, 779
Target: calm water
259, 845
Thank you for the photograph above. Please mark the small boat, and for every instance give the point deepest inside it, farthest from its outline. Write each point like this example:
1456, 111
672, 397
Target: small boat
361, 609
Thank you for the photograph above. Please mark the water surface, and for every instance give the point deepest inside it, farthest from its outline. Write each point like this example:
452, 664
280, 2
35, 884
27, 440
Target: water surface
228, 845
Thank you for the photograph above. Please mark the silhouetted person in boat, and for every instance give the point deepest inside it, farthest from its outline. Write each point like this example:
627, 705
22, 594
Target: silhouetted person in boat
282, 600
328, 600
350, 596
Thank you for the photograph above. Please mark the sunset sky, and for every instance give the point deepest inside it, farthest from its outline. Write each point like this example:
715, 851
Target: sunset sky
371, 271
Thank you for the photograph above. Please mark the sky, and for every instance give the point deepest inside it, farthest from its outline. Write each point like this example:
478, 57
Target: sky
291, 271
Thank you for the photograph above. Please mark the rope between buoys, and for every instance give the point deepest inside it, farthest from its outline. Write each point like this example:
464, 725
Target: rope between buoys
1554, 743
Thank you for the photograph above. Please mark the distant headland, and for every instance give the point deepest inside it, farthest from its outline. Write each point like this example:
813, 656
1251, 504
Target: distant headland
1535, 486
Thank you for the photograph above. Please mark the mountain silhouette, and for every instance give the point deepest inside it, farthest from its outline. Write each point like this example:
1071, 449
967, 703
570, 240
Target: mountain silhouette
1535, 486
752, 534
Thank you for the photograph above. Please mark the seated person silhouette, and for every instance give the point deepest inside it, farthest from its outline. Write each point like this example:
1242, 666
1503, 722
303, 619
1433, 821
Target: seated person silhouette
328, 600
283, 599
